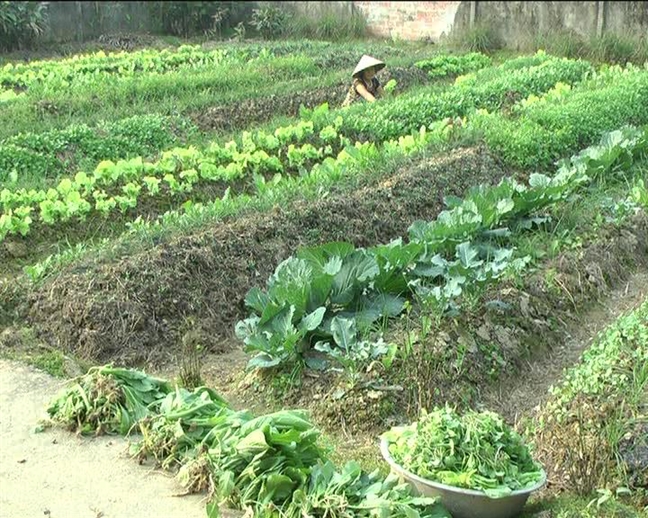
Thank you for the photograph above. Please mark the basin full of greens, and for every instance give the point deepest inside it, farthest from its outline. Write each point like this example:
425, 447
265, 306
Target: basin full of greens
473, 461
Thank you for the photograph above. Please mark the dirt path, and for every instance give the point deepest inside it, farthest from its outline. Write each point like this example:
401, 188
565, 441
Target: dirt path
519, 395
57, 475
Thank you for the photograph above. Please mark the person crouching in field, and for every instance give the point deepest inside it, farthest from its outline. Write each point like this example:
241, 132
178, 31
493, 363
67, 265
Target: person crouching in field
365, 83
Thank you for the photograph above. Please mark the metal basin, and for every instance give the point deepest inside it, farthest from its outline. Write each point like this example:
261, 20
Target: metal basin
464, 503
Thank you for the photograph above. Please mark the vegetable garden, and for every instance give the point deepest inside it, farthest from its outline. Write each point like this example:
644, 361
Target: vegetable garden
368, 271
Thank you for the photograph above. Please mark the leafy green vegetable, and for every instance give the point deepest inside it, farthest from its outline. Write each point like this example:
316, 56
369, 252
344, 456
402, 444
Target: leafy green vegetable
474, 451
271, 465
442, 66
107, 400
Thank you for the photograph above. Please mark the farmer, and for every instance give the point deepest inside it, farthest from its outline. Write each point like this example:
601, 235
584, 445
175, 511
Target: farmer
365, 84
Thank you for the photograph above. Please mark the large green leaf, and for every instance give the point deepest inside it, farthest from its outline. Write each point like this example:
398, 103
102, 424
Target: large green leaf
357, 270
282, 323
311, 321
333, 266
277, 487
320, 255
385, 304
539, 180
264, 361
505, 205
433, 267
393, 260
253, 443
213, 509
344, 332
468, 255
256, 299
291, 283
271, 310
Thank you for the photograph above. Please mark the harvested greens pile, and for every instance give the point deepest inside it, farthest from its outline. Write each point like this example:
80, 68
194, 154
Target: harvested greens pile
475, 451
270, 466
107, 400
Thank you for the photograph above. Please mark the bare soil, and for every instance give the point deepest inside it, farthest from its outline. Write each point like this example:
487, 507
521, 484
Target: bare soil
58, 475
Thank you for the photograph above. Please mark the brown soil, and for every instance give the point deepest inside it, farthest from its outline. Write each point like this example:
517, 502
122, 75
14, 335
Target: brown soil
242, 114
56, 474
134, 309
516, 396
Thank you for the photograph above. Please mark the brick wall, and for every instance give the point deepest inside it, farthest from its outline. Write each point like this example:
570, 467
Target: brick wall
409, 20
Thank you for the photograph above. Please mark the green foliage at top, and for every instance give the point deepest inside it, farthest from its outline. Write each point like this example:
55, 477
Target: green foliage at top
476, 450
328, 24
21, 23
84, 68
186, 19
269, 21
480, 38
32, 157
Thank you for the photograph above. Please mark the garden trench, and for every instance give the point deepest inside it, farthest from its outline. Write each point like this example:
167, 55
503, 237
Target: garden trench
133, 310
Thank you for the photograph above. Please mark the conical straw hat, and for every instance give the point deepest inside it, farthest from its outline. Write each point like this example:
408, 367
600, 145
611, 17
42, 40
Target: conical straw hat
367, 62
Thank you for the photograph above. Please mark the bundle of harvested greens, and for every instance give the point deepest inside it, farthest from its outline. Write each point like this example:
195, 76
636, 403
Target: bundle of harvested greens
353, 493
177, 431
107, 400
271, 466
474, 451
261, 462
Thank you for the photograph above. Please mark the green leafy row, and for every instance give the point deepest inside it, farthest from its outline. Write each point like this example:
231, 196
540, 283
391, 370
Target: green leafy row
271, 465
28, 160
517, 63
329, 168
328, 298
567, 119
598, 411
117, 186
605, 367
99, 64
177, 171
36, 156
381, 121
8, 95
353, 158
21, 74
451, 65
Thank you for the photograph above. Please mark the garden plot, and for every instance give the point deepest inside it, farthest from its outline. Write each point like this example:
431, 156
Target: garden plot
262, 159
210, 270
371, 262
